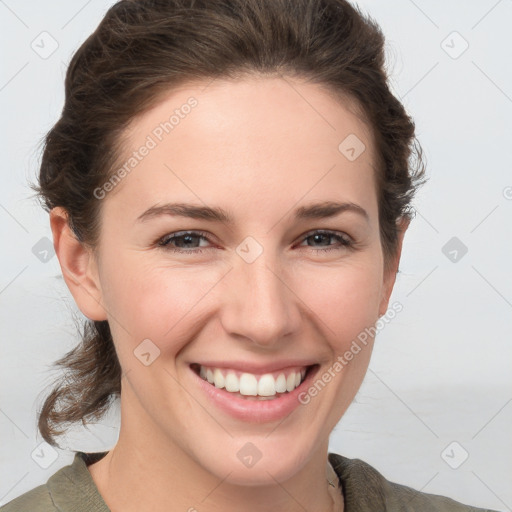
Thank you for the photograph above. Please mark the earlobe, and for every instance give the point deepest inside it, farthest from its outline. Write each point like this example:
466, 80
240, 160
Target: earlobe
78, 266
391, 270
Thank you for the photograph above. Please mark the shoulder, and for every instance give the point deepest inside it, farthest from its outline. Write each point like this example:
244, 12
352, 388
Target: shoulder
365, 489
71, 488
36, 500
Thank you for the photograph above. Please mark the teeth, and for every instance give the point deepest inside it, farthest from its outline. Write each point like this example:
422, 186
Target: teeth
218, 378
266, 385
290, 382
281, 383
247, 384
232, 383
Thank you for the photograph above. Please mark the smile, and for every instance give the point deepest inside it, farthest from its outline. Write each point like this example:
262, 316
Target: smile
254, 394
246, 384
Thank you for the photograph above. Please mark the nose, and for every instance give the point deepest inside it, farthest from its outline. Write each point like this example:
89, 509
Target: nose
259, 305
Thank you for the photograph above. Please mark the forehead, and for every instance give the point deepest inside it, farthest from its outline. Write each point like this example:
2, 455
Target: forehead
248, 139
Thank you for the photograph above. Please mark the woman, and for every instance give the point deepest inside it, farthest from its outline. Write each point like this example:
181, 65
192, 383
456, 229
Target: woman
229, 187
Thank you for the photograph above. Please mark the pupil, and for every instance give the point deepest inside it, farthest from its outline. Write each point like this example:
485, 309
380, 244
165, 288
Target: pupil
188, 239
319, 237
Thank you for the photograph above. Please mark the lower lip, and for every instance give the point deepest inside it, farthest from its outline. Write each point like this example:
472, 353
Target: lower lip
255, 411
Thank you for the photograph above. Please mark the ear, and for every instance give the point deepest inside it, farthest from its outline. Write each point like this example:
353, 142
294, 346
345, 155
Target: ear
78, 266
391, 269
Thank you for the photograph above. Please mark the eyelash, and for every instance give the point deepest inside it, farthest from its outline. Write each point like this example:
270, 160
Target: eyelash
344, 241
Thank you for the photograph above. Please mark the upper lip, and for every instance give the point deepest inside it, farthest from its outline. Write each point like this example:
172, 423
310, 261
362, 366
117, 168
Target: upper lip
251, 367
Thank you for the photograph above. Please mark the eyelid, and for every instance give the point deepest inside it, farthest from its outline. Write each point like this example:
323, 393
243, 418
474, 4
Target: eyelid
333, 232
344, 240
163, 241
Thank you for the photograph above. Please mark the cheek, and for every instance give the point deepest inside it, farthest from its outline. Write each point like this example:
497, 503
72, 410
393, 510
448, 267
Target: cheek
147, 301
345, 299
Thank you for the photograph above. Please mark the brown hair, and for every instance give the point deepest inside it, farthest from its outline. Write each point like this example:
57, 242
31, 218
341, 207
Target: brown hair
140, 50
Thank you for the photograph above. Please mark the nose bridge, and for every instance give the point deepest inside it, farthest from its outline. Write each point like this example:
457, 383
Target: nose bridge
260, 306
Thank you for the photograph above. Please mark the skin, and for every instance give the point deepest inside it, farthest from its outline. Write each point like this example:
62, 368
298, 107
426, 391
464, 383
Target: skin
258, 147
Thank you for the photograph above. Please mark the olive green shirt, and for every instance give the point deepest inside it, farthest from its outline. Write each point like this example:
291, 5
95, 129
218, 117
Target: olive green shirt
72, 489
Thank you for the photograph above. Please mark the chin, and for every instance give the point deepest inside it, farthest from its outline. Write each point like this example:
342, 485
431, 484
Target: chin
257, 460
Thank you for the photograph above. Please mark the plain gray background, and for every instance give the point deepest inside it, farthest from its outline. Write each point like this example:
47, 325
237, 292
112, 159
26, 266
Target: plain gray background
435, 410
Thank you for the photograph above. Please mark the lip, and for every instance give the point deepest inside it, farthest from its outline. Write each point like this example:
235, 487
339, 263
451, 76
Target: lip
255, 411
257, 369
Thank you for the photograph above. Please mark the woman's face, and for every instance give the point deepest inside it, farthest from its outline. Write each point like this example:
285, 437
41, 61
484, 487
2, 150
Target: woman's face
242, 245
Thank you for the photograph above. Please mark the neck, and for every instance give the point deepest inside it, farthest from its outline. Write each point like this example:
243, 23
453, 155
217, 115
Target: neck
147, 471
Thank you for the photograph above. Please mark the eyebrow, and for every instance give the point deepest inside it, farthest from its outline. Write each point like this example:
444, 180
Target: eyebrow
322, 210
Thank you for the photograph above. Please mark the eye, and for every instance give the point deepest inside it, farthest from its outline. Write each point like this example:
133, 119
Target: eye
185, 241
322, 240
196, 241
